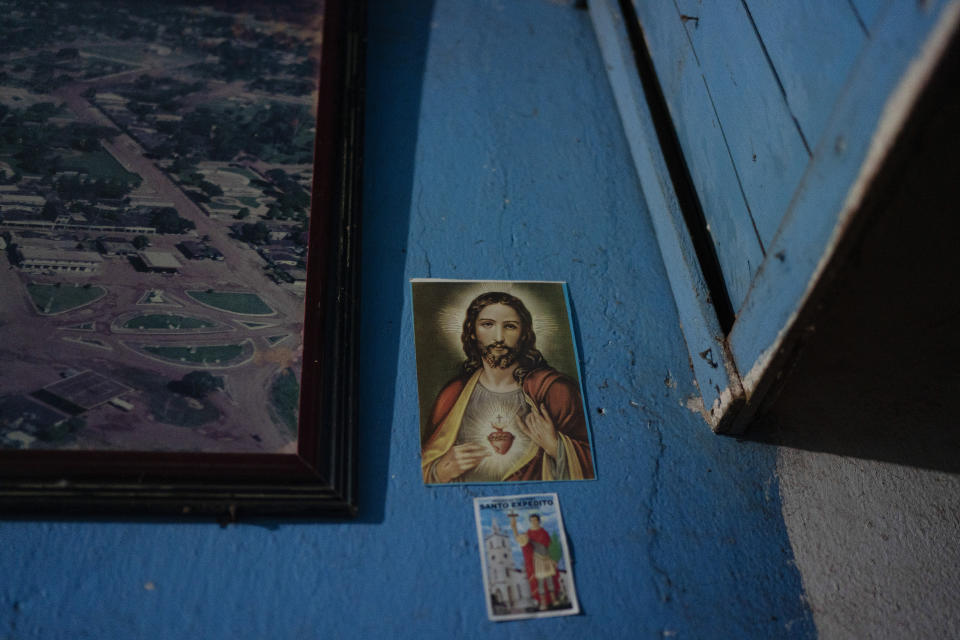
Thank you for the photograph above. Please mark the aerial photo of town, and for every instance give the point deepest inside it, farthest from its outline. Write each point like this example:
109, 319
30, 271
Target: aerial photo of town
155, 175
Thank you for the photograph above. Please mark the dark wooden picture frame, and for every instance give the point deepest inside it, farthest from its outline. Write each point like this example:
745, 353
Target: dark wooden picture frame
318, 480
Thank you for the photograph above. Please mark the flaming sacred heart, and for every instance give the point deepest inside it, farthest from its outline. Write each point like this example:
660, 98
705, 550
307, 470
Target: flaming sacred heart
500, 440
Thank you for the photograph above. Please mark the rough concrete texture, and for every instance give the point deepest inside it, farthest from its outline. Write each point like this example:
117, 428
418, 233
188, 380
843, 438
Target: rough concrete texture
876, 544
868, 465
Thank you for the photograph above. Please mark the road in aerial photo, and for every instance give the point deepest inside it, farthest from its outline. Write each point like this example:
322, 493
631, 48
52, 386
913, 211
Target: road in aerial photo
155, 172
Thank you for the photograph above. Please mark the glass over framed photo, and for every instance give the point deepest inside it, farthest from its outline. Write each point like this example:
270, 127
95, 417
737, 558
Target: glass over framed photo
178, 222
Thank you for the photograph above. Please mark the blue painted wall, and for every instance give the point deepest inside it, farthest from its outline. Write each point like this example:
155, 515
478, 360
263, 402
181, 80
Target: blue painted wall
494, 150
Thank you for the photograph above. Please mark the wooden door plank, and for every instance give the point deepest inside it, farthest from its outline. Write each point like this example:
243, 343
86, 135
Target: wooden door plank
869, 11
813, 46
698, 130
768, 151
712, 366
871, 111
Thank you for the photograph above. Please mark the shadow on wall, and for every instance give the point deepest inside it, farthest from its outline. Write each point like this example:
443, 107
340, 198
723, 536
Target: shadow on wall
396, 53
879, 374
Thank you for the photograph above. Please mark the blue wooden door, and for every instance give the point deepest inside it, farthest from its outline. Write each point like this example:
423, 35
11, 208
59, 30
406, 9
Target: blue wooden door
782, 112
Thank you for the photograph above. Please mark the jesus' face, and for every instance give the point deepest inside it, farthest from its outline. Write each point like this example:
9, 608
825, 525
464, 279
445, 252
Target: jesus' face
498, 332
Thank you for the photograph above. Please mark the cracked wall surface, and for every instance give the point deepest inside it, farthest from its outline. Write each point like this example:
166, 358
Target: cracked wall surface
493, 150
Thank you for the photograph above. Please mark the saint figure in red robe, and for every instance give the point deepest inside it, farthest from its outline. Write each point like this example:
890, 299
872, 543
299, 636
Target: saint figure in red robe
539, 566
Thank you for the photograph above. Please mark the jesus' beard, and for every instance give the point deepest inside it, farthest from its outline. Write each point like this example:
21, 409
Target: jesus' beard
499, 361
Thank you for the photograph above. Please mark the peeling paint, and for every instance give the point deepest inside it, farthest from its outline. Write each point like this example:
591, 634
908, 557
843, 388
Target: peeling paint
438, 102
695, 404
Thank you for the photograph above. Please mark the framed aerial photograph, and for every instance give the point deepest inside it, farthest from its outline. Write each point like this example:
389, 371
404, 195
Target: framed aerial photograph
179, 211
501, 398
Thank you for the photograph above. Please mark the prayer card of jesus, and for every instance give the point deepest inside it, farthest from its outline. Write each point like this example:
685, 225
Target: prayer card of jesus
501, 399
525, 559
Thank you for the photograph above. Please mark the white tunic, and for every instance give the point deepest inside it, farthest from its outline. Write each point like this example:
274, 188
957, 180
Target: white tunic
487, 410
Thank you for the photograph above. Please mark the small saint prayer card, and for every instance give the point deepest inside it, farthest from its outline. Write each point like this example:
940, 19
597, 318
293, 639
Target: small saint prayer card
525, 559
501, 398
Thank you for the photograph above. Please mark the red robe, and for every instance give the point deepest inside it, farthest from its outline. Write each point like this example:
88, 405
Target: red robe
548, 387
542, 537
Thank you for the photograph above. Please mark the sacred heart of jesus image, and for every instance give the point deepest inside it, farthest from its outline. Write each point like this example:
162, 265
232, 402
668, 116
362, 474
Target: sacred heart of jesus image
499, 384
500, 440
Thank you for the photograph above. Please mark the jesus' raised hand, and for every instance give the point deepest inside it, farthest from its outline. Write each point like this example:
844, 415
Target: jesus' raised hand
539, 427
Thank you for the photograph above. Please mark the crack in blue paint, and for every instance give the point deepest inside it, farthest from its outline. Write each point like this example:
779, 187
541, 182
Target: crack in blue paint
661, 579
414, 548
425, 225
